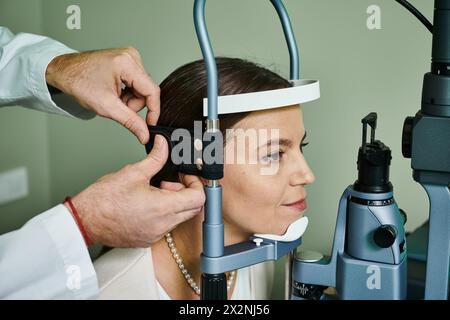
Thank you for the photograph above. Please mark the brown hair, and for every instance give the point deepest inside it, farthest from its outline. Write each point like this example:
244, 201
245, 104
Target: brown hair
183, 91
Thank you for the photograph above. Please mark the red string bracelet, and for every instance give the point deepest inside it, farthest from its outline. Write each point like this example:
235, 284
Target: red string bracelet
75, 215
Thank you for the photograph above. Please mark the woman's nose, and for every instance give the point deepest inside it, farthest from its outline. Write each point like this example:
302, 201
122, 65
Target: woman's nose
302, 173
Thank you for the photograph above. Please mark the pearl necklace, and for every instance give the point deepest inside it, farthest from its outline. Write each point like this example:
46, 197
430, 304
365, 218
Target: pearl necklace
187, 276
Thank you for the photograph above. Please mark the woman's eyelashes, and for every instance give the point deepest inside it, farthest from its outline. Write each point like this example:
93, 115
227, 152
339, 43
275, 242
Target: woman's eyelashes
273, 157
302, 145
278, 155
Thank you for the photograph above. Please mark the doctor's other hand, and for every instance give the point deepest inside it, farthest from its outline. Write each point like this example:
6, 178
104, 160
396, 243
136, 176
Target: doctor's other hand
123, 210
112, 83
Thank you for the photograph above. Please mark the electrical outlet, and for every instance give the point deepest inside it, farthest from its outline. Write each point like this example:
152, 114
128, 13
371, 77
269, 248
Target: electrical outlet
13, 185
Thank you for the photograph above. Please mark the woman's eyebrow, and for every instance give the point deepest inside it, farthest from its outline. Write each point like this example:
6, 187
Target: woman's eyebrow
281, 142
278, 142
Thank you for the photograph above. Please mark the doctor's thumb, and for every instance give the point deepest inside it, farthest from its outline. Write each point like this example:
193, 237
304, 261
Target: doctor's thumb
157, 157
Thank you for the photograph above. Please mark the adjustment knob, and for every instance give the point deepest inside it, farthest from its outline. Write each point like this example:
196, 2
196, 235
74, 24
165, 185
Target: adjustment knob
385, 236
407, 137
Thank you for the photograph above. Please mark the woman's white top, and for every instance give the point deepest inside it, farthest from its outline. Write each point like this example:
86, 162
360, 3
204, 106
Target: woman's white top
129, 274
242, 288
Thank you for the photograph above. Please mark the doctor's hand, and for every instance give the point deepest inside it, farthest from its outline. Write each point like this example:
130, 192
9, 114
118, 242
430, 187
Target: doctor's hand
122, 209
112, 83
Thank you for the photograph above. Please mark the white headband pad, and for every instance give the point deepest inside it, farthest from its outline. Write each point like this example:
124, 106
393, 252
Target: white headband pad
302, 91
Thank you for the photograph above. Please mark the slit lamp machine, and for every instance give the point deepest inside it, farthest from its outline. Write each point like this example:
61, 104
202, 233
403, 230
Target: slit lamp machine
369, 253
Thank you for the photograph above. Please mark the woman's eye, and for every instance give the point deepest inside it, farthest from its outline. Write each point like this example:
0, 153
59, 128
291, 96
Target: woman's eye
276, 156
302, 145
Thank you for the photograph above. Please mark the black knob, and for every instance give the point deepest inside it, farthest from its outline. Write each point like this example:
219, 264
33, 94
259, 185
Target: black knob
214, 286
407, 137
385, 236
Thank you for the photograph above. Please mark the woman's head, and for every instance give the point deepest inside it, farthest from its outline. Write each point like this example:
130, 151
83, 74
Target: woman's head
253, 202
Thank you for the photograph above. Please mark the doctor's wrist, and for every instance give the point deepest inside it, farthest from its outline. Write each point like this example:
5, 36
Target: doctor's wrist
69, 203
59, 75
51, 73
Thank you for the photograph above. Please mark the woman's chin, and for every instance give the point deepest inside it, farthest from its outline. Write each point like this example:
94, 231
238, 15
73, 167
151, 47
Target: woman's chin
288, 220
280, 229
292, 213
282, 220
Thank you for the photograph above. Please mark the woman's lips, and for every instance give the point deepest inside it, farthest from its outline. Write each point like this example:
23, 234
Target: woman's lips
299, 205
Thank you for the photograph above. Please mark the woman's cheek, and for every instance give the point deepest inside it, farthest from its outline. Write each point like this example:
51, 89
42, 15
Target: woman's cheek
251, 199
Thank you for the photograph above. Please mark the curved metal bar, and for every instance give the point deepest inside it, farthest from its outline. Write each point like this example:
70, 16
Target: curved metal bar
208, 54
290, 39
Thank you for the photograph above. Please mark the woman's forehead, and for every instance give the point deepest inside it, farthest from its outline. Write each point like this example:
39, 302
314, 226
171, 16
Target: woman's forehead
276, 124
280, 118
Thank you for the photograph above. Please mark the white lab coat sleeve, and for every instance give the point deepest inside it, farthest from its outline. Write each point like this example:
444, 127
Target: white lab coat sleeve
46, 259
23, 61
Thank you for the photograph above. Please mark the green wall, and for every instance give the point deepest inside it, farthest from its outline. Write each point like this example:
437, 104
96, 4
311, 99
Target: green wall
24, 133
360, 71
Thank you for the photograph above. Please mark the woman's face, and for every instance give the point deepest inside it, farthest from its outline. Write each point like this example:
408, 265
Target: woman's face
258, 197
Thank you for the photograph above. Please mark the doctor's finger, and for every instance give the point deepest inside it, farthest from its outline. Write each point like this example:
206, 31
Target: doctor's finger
134, 53
134, 101
172, 186
184, 199
136, 104
135, 77
128, 118
184, 216
153, 112
191, 181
